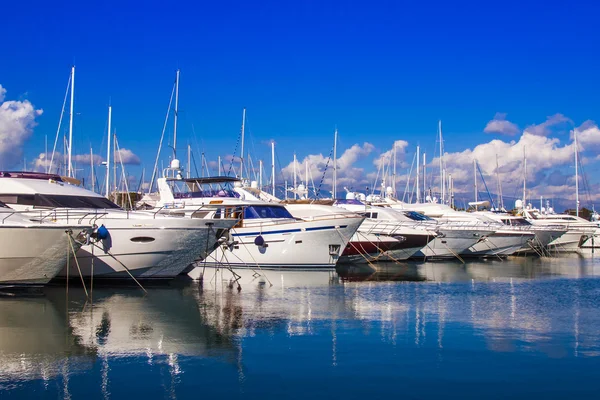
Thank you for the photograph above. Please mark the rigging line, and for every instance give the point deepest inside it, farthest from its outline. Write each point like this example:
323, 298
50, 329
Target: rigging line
485, 184
62, 113
318, 191
408, 178
162, 136
195, 166
237, 143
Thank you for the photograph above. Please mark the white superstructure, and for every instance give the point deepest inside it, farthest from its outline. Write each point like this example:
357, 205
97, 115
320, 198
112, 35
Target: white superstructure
143, 244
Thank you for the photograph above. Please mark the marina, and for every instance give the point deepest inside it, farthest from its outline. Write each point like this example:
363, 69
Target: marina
463, 326
299, 200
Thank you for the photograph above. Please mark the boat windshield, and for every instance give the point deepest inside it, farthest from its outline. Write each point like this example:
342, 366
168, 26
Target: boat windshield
266, 211
57, 201
415, 216
516, 221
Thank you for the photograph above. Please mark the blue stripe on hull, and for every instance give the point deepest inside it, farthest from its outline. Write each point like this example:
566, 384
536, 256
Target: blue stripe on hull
318, 228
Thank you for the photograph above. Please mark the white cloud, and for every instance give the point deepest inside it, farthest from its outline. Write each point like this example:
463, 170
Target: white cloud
17, 120
546, 127
347, 176
85, 159
501, 125
588, 135
387, 157
126, 156
544, 154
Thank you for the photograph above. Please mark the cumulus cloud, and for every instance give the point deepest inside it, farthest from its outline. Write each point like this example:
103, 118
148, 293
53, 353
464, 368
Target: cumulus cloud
544, 154
17, 120
501, 125
86, 158
547, 127
348, 175
588, 135
387, 157
126, 156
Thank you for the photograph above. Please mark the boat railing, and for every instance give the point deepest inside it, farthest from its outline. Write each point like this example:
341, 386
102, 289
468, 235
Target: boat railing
330, 216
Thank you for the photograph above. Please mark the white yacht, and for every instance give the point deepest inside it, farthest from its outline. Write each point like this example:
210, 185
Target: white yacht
544, 234
266, 235
499, 240
379, 237
34, 252
578, 229
143, 244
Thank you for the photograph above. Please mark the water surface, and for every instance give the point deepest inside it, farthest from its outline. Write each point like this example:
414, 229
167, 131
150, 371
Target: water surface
493, 329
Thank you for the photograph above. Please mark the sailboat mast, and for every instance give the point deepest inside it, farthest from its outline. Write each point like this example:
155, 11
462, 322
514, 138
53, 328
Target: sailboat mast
108, 153
273, 166
418, 173
189, 161
295, 187
424, 176
176, 115
524, 178
69, 166
442, 182
576, 174
475, 178
260, 168
394, 173
92, 168
242, 152
335, 164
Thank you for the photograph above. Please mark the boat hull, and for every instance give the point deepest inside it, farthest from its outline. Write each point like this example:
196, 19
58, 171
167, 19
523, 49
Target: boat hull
176, 243
33, 255
294, 245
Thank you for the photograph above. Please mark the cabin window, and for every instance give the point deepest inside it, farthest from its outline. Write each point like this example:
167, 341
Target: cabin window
55, 201
415, 216
266, 212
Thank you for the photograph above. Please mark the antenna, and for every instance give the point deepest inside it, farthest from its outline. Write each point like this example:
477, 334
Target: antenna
576, 173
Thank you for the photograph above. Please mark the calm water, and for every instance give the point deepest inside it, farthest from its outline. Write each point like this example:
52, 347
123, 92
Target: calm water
517, 328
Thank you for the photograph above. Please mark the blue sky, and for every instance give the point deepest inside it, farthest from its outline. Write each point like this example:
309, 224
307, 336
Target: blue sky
379, 71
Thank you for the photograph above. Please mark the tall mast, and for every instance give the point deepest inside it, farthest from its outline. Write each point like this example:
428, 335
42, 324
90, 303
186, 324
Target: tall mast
576, 174
335, 164
189, 161
442, 183
295, 187
219, 166
242, 152
273, 166
260, 168
70, 168
499, 185
424, 176
418, 173
524, 178
475, 178
108, 153
394, 173
92, 168
175, 116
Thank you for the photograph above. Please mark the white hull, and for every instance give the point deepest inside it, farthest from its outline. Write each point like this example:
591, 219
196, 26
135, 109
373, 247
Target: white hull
500, 244
177, 243
567, 243
309, 244
451, 242
33, 255
593, 242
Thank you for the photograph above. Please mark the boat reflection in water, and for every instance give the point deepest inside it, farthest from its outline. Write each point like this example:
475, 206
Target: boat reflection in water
462, 326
